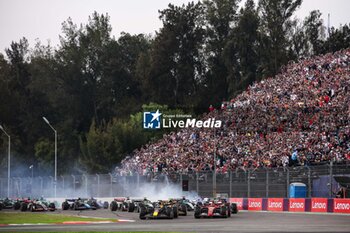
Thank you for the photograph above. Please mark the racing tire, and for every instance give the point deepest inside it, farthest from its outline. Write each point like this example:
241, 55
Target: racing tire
17, 206
24, 207
105, 205
113, 206
197, 212
95, 205
131, 207
176, 212
65, 205
125, 206
184, 209
223, 212
143, 212
234, 209
170, 213
52, 207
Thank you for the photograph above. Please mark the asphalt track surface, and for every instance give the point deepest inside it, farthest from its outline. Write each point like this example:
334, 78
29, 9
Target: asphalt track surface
242, 222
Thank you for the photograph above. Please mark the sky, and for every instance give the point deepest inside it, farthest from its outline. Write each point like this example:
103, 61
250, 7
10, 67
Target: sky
42, 19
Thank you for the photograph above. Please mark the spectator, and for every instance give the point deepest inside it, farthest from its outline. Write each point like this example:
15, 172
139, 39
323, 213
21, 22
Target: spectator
304, 107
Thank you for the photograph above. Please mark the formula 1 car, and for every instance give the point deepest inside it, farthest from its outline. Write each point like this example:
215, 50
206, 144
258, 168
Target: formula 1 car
213, 208
18, 203
142, 203
183, 201
180, 207
38, 205
162, 209
6, 204
98, 204
77, 204
117, 204
130, 205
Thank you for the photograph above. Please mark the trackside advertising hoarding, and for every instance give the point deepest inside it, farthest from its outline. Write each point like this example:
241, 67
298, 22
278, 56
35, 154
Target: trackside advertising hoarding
297, 204
255, 204
341, 206
322, 205
275, 204
238, 201
319, 204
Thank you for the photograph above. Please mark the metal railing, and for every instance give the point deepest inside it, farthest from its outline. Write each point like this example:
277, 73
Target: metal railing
264, 182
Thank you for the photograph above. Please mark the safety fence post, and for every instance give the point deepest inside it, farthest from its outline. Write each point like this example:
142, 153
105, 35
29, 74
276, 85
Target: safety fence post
73, 176
309, 182
288, 181
63, 184
111, 185
52, 186
230, 174
248, 184
267, 183
330, 179
98, 185
197, 183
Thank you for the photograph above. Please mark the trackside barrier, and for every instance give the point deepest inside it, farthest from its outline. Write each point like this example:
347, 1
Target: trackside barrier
341, 206
275, 204
294, 204
297, 205
255, 204
319, 205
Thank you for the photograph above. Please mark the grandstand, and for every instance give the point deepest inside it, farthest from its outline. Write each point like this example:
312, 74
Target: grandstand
298, 118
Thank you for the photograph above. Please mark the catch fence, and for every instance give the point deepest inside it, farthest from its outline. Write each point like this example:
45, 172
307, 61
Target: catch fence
260, 183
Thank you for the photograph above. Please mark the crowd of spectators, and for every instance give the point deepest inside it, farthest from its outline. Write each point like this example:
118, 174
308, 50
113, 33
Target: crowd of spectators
301, 117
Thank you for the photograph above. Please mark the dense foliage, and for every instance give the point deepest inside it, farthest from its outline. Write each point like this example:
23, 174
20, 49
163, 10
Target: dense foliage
93, 87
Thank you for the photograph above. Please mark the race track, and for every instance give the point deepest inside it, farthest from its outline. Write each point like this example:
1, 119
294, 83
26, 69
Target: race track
242, 222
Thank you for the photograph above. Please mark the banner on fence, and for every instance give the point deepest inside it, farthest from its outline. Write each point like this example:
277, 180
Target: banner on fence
297, 204
275, 204
341, 205
238, 201
255, 204
319, 204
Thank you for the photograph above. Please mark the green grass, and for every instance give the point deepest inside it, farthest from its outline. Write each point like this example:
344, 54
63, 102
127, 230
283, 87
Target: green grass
18, 218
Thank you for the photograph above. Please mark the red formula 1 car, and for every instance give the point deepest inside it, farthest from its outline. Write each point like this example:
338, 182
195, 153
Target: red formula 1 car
213, 208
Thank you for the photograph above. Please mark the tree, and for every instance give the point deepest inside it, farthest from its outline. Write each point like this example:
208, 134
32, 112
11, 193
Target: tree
241, 52
338, 39
314, 30
276, 21
221, 17
300, 46
176, 67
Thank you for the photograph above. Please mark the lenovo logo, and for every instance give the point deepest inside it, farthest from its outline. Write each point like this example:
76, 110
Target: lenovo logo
318, 205
275, 205
255, 204
296, 205
342, 206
